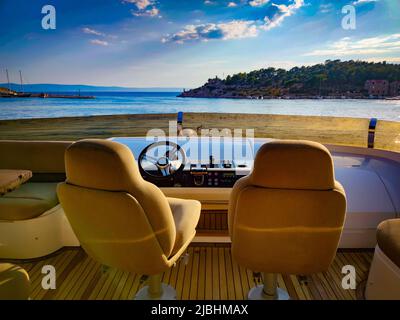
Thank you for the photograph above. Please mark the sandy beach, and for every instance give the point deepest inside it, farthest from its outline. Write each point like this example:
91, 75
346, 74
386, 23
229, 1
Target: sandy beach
334, 130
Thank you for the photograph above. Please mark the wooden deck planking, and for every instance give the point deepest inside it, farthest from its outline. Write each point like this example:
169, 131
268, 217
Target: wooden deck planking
210, 273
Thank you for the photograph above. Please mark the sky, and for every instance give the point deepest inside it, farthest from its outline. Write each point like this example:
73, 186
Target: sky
181, 44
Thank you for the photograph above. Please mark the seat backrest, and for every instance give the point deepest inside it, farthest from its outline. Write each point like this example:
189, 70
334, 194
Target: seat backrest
288, 214
120, 219
36, 156
44, 158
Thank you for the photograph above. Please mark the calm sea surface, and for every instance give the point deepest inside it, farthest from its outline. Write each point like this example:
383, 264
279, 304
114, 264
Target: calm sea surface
154, 102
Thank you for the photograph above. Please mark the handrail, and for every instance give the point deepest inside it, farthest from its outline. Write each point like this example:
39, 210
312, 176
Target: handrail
371, 132
179, 123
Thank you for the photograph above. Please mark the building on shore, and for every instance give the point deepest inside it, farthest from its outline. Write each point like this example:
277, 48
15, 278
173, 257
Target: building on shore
395, 89
378, 88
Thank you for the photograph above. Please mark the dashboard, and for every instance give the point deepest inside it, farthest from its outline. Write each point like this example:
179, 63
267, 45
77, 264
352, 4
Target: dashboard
193, 162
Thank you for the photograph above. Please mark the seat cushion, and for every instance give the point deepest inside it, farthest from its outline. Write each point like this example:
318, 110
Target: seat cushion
186, 215
12, 179
388, 238
14, 282
28, 201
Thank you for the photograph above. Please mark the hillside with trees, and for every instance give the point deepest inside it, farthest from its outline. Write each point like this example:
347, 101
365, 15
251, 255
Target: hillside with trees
334, 78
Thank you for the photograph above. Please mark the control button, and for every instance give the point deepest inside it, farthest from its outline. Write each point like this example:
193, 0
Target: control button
198, 180
227, 164
211, 162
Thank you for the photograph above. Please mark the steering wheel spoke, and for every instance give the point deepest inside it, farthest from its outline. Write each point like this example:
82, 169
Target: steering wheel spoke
164, 171
172, 154
150, 159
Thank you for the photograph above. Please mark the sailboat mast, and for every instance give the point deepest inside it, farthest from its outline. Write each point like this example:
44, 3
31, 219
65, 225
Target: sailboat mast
20, 78
8, 80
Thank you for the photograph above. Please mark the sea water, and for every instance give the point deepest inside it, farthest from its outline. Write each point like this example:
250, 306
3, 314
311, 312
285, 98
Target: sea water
112, 103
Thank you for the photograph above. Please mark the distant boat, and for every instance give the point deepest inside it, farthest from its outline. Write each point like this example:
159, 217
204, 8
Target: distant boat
7, 93
393, 98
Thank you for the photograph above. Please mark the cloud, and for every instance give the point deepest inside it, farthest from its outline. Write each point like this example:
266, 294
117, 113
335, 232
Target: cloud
284, 11
99, 42
92, 31
153, 12
140, 4
232, 4
145, 8
95, 32
359, 2
235, 29
347, 46
209, 3
326, 8
258, 3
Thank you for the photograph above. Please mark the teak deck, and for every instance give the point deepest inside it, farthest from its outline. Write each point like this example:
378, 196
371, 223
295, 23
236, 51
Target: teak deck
209, 274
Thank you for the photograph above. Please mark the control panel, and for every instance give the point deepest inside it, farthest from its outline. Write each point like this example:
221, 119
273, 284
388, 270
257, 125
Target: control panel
221, 175
215, 179
215, 175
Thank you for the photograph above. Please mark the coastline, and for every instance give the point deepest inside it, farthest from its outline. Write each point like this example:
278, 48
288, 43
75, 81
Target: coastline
194, 96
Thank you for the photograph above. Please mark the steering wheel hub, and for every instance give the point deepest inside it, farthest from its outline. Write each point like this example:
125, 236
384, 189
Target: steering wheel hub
163, 162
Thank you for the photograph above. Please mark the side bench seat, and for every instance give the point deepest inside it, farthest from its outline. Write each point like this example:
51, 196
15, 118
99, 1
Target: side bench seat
32, 222
29, 201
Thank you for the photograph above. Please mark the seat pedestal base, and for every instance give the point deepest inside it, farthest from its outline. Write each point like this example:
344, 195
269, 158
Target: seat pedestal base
257, 293
269, 290
167, 293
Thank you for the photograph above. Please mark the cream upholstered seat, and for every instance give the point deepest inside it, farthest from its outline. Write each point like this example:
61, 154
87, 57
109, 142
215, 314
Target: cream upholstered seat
28, 201
32, 222
45, 163
388, 238
14, 282
384, 275
288, 214
120, 219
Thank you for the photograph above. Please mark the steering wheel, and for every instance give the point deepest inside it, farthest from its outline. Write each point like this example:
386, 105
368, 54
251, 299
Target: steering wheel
162, 160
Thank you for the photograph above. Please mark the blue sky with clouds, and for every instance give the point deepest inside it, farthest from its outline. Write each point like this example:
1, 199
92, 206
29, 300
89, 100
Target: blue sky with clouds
171, 43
